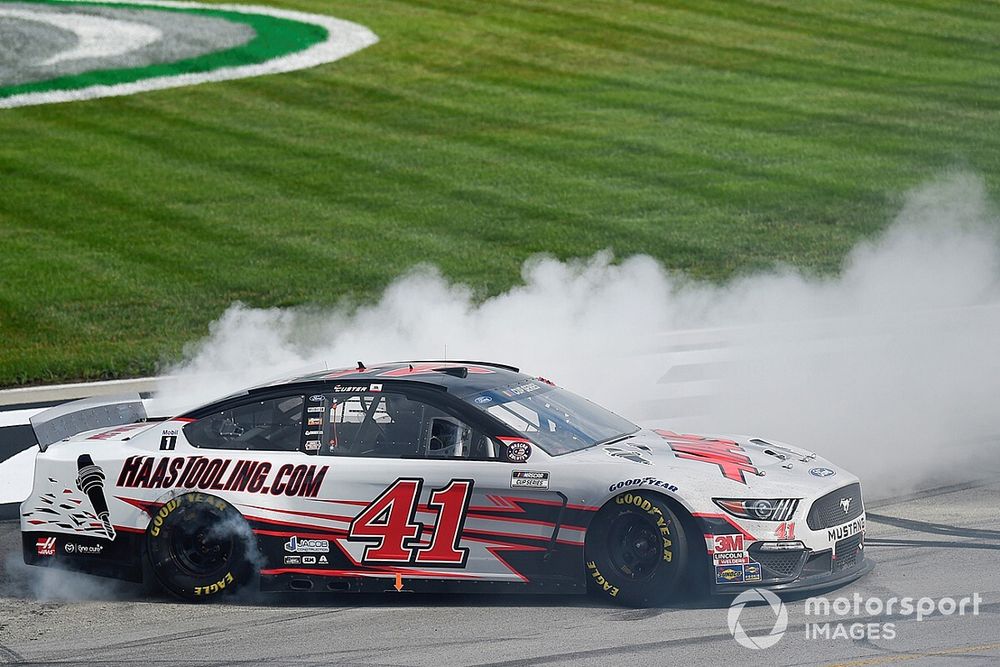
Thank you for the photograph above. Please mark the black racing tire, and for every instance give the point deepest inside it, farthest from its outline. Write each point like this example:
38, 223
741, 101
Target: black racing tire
200, 547
636, 551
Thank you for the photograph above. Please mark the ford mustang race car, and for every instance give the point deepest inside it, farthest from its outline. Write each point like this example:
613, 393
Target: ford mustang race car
430, 476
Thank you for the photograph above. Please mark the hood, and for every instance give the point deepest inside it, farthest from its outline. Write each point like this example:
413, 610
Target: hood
725, 465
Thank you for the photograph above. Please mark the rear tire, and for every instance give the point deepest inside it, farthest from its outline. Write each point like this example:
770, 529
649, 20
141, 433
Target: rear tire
635, 551
200, 547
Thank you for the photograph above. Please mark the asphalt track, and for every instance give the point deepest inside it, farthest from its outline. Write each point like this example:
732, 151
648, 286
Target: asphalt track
944, 542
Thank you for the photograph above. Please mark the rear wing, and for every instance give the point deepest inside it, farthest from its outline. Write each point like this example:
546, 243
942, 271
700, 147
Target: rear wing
68, 419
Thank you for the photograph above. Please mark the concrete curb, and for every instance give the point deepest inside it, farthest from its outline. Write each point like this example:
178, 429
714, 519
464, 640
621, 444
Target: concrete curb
60, 393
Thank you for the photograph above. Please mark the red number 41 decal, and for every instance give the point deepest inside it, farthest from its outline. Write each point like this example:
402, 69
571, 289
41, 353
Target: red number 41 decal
389, 521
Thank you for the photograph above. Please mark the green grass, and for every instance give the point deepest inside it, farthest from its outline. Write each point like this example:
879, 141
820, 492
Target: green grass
719, 137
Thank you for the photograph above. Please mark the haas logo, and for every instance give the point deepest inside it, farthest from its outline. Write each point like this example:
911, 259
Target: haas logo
46, 546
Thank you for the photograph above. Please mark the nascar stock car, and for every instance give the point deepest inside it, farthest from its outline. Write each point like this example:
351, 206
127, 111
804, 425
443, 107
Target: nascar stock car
430, 476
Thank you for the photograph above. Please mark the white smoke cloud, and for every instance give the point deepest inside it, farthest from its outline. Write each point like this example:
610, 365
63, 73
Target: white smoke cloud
891, 368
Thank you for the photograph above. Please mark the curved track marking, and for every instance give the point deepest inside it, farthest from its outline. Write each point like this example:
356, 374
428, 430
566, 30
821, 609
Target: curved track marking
342, 39
97, 37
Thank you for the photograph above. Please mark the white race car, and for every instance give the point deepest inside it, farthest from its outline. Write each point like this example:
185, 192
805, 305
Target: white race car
430, 476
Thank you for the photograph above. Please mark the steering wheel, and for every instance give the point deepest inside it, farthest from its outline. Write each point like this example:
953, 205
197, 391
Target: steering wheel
436, 447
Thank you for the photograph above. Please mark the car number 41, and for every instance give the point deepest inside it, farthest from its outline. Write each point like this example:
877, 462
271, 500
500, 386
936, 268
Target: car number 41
388, 521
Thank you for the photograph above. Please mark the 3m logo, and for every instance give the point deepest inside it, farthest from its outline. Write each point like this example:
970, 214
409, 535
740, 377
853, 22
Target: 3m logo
727, 543
46, 546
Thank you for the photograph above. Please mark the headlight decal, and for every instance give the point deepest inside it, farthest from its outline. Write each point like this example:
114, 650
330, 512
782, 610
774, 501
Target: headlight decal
759, 509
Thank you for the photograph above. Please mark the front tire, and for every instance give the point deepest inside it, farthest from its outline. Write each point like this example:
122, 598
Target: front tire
636, 550
200, 547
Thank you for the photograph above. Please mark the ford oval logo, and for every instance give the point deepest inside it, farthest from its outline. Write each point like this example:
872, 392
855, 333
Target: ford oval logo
822, 472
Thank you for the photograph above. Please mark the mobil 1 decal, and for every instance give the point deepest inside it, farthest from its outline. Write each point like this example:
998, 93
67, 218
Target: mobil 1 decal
206, 473
388, 524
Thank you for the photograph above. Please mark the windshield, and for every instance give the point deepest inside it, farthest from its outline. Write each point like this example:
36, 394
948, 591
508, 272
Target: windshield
556, 420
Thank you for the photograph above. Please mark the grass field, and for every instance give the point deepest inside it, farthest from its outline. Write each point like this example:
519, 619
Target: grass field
719, 137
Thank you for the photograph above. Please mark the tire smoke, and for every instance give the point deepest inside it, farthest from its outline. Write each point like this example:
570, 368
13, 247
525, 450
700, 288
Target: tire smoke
890, 368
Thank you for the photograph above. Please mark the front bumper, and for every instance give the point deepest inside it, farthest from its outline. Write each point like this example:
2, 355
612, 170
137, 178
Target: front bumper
804, 581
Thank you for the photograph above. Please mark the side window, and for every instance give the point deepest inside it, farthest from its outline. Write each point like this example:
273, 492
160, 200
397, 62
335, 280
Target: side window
391, 425
273, 425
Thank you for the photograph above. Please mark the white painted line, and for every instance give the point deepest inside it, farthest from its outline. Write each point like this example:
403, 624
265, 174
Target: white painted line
96, 36
18, 417
17, 474
70, 392
343, 39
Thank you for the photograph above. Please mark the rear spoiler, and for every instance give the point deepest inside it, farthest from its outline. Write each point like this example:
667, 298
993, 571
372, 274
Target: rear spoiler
68, 419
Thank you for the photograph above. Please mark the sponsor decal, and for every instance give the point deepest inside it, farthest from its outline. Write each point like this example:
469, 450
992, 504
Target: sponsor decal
845, 504
518, 449
751, 572
315, 408
293, 560
238, 475
46, 546
317, 398
521, 389
83, 549
732, 542
309, 560
530, 479
729, 574
726, 454
821, 472
315, 421
351, 388
729, 550
633, 455
90, 480
846, 530
311, 433
483, 399
642, 481
312, 445
296, 544
375, 387
323, 560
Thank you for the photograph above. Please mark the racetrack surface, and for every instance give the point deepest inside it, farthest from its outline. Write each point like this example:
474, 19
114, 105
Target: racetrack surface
939, 543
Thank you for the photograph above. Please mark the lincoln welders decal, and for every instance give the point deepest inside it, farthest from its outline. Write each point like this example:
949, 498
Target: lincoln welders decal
204, 473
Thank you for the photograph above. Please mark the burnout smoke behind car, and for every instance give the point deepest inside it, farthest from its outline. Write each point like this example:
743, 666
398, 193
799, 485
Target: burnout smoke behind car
891, 368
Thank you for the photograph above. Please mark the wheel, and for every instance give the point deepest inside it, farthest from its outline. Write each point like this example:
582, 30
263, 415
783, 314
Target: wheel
200, 547
635, 550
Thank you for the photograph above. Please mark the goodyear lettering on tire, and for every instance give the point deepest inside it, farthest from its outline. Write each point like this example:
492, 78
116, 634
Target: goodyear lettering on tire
599, 579
661, 522
169, 508
162, 514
